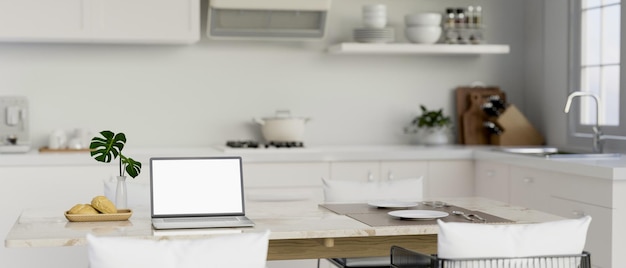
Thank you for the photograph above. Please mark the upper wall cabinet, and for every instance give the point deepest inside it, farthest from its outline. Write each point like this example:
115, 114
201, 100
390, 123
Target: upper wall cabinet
157, 21
26, 20
100, 21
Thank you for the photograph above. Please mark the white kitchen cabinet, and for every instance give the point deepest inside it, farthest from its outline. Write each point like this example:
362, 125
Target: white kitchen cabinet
441, 178
26, 20
574, 196
599, 237
530, 188
355, 170
492, 180
157, 21
47, 187
403, 169
450, 178
285, 181
562, 194
101, 21
378, 170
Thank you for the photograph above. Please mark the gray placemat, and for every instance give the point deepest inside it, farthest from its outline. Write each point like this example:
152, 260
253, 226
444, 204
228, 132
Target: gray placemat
377, 217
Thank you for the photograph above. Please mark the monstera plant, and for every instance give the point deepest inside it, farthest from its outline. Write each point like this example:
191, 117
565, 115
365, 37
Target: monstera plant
108, 147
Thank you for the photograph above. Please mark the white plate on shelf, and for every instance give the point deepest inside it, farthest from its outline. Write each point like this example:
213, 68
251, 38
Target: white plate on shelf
392, 204
418, 214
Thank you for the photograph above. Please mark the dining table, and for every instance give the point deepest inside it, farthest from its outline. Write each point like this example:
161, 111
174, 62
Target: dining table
299, 229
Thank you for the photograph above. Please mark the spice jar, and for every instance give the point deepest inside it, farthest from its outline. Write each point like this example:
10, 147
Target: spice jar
478, 16
450, 18
460, 18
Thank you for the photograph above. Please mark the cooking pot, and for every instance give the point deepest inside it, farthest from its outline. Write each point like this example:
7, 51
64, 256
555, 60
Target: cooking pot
282, 127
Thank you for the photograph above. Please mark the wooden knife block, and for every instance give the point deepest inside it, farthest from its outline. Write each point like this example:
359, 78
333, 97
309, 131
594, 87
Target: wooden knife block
470, 115
517, 129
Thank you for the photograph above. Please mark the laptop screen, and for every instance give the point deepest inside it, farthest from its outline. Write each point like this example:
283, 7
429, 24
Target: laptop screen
186, 186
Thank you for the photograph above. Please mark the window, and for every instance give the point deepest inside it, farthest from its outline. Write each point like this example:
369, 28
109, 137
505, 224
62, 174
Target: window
596, 66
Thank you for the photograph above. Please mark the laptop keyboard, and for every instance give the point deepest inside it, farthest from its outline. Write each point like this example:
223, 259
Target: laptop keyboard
201, 219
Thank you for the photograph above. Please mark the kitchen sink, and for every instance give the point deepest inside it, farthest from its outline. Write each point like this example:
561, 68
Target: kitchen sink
529, 150
589, 156
555, 153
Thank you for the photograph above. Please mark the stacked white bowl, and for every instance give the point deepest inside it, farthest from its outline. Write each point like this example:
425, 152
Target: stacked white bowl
375, 16
374, 25
423, 28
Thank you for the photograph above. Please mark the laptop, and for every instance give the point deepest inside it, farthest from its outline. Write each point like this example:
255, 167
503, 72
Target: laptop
197, 192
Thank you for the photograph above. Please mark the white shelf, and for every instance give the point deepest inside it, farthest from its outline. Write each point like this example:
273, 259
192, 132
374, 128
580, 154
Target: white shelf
406, 48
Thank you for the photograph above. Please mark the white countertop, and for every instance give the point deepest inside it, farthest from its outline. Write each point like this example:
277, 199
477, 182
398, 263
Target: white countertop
610, 169
313, 153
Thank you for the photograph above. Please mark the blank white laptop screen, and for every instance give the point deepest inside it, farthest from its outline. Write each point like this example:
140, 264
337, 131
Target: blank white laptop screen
197, 186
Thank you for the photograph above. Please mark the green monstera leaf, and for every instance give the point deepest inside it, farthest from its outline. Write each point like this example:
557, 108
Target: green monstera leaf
108, 148
133, 168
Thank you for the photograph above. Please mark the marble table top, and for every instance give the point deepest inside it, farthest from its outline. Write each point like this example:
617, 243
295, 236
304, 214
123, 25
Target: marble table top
48, 227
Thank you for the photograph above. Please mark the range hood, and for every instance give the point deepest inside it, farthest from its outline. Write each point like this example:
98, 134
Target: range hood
267, 19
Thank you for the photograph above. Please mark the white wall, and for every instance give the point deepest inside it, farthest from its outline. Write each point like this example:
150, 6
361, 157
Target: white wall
206, 93
553, 92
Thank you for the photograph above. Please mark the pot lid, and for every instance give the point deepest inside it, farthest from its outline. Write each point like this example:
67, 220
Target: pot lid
283, 114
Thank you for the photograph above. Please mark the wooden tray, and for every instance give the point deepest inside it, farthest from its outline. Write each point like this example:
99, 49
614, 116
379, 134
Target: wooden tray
65, 150
121, 215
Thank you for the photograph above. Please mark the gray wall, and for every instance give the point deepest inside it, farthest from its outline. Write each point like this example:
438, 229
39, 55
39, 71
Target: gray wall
548, 74
206, 93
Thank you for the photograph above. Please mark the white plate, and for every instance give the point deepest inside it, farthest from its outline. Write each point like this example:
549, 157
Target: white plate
418, 214
392, 204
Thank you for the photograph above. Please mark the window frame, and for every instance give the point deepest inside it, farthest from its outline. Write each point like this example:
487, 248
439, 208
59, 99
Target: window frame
580, 135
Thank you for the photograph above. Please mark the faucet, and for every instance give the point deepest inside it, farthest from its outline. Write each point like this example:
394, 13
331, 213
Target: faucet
597, 132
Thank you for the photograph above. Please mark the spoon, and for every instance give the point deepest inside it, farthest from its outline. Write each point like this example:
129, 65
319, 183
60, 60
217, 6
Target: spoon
478, 217
460, 213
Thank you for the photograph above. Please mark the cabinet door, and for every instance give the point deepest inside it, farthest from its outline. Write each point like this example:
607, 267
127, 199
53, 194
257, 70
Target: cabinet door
492, 180
46, 187
450, 178
155, 21
357, 171
285, 181
390, 170
531, 188
42, 20
397, 170
599, 238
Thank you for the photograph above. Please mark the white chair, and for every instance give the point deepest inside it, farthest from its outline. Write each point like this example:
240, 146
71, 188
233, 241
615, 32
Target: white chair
342, 191
556, 244
244, 250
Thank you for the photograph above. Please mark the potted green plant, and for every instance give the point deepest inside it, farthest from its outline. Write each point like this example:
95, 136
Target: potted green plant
106, 148
431, 127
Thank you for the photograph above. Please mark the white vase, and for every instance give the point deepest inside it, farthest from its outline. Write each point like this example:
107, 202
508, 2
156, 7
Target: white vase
121, 193
434, 136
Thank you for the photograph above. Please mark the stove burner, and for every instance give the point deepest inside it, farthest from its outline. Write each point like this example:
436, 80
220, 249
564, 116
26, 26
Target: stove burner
242, 144
271, 144
285, 144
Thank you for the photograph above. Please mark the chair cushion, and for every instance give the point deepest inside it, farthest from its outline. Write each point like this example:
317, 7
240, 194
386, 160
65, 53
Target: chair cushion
471, 240
409, 189
228, 250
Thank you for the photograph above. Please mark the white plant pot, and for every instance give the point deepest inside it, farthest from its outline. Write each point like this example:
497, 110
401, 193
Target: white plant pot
433, 136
